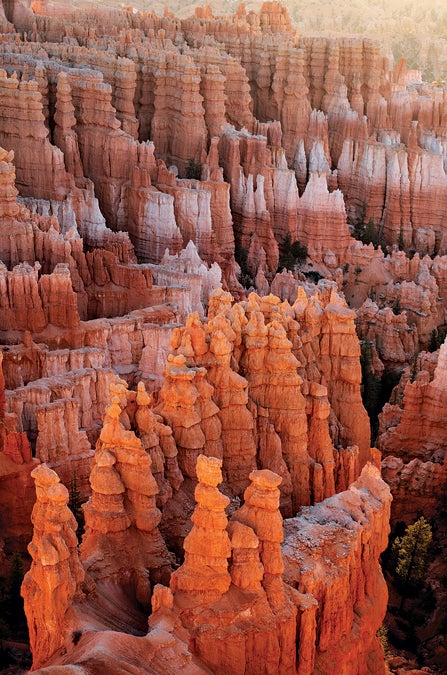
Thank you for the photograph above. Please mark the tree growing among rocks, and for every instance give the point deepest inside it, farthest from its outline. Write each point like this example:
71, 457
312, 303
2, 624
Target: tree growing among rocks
411, 556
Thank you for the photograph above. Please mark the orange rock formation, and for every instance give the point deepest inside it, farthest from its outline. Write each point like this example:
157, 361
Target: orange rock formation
56, 574
141, 156
412, 439
121, 515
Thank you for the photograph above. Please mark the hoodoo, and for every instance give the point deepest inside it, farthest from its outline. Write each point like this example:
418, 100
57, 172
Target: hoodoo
223, 282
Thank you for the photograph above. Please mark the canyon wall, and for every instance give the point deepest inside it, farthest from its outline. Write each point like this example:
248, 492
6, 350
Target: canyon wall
156, 176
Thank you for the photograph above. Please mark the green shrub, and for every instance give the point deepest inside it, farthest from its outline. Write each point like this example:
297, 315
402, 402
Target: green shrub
410, 553
290, 254
193, 169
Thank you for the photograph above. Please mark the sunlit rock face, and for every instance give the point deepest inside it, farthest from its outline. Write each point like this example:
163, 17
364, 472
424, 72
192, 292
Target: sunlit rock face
244, 578
56, 573
238, 586
316, 549
282, 384
155, 173
412, 438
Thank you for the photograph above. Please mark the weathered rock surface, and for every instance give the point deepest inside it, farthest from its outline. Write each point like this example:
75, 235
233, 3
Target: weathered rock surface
320, 544
254, 617
245, 615
122, 542
143, 155
268, 415
204, 574
412, 439
56, 573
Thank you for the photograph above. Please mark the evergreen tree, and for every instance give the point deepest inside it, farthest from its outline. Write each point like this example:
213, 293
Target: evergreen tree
193, 169
433, 342
242, 260
359, 230
414, 368
371, 386
75, 504
437, 338
396, 307
286, 257
370, 234
291, 254
411, 555
382, 634
299, 251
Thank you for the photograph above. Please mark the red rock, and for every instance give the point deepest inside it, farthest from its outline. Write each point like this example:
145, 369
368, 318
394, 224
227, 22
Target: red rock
121, 515
108, 251
321, 224
360, 600
38, 163
204, 576
411, 437
261, 512
56, 572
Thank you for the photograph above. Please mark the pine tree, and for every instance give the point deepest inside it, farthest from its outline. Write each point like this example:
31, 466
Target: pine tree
299, 251
382, 634
396, 307
75, 504
291, 254
370, 234
411, 551
371, 385
414, 368
286, 258
193, 169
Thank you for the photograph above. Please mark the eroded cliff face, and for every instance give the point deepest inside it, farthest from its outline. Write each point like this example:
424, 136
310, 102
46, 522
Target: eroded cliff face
412, 439
104, 95
323, 543
141, 155
230, 591
240, 601
282, 390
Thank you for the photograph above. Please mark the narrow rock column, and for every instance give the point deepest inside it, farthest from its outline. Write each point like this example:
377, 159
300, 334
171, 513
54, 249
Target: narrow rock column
204, 575
53, 580
246, 568
261, 513
122, 542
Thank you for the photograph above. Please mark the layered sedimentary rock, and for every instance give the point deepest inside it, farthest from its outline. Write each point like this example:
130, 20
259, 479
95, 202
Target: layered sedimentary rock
250, 615
204, 574
347, 620
261, 512
134, 85
150, 152
321, 225
399, 300
187, 407
56, 573
263, 413
412, 438
232, 603
17, 493
121, 515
